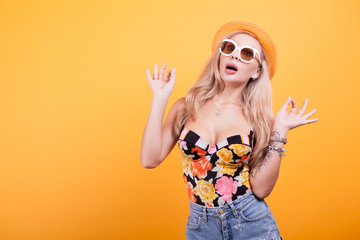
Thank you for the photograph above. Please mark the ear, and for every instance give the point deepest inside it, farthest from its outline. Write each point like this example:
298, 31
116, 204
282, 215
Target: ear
257, 74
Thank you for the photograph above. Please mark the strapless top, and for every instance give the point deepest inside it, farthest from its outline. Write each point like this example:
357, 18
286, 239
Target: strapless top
215, 175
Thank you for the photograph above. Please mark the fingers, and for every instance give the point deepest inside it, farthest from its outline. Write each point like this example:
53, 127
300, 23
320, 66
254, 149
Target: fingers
156, 76
161, 73
287, 103
303, 107
306, 116
148, 75
167, 75
294, 106
170, 74
173, 76
310, 121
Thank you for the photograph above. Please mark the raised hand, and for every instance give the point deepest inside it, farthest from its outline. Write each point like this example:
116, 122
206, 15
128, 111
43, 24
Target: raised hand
285, 120
160, 85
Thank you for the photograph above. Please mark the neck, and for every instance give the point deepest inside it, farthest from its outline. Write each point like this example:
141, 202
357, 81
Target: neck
230, 94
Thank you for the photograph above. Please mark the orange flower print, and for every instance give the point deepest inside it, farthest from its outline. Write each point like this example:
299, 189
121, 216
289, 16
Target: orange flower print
206, 191
209, 205
184, 156
189, 189
242, 159
226, 169
185, 162
199, 151
245, 176
200, 168
225, 162
240, 149
186, 167
225, 155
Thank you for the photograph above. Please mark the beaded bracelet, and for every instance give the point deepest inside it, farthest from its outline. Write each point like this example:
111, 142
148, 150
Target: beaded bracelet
281, 151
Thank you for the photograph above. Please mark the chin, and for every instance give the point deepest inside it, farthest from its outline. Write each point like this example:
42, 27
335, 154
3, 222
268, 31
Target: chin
233, 79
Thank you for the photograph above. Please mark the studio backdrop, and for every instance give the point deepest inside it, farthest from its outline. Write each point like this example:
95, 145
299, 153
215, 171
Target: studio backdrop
74, 100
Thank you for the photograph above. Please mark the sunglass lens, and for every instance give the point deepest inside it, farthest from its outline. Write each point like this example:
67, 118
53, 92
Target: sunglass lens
247, 54
227, 47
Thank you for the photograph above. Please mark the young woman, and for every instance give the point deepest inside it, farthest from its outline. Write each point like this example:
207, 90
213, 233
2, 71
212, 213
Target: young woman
231, 145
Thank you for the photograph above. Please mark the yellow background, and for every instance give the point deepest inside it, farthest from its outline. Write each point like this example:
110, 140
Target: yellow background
74, 100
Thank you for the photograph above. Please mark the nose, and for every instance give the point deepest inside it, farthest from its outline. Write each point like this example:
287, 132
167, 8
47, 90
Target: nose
236, 57
236, 54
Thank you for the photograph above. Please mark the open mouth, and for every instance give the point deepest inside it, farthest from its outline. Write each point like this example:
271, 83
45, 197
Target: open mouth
231, 66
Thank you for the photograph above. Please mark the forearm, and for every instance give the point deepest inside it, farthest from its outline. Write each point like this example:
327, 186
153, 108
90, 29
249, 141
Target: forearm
151, 140
264, 176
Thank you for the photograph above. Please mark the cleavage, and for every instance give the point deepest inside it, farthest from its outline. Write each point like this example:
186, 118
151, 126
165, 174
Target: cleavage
218, 139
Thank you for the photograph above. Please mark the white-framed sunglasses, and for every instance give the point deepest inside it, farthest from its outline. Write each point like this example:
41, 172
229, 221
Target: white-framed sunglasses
247, 53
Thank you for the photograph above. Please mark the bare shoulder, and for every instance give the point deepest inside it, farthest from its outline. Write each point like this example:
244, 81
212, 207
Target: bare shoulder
179, 101
174, 110
177, 104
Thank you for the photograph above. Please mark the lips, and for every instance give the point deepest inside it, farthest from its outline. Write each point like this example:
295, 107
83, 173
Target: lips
231, 66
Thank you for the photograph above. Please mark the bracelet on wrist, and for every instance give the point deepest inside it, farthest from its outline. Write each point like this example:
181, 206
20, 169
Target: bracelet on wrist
278, 139
281, 151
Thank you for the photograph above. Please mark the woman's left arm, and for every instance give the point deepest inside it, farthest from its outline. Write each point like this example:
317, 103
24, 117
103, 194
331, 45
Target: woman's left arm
264, 176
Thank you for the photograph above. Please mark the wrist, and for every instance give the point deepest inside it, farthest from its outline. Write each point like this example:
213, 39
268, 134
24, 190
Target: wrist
160, 97
281, 131
278, 135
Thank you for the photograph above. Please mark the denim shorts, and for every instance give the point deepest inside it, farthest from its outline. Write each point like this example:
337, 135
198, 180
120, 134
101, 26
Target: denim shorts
247, 218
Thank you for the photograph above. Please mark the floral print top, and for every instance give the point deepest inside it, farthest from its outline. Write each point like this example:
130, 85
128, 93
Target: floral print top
215, 175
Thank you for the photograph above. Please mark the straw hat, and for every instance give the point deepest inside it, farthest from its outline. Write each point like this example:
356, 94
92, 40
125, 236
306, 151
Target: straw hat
264, 38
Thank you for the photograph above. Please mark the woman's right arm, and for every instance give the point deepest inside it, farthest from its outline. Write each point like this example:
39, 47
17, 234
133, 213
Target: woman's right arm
159, 139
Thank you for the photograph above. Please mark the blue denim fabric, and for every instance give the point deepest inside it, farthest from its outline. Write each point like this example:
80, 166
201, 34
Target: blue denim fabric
247, 218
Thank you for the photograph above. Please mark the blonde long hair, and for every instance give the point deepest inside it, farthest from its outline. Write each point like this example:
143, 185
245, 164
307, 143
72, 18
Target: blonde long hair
256, 99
